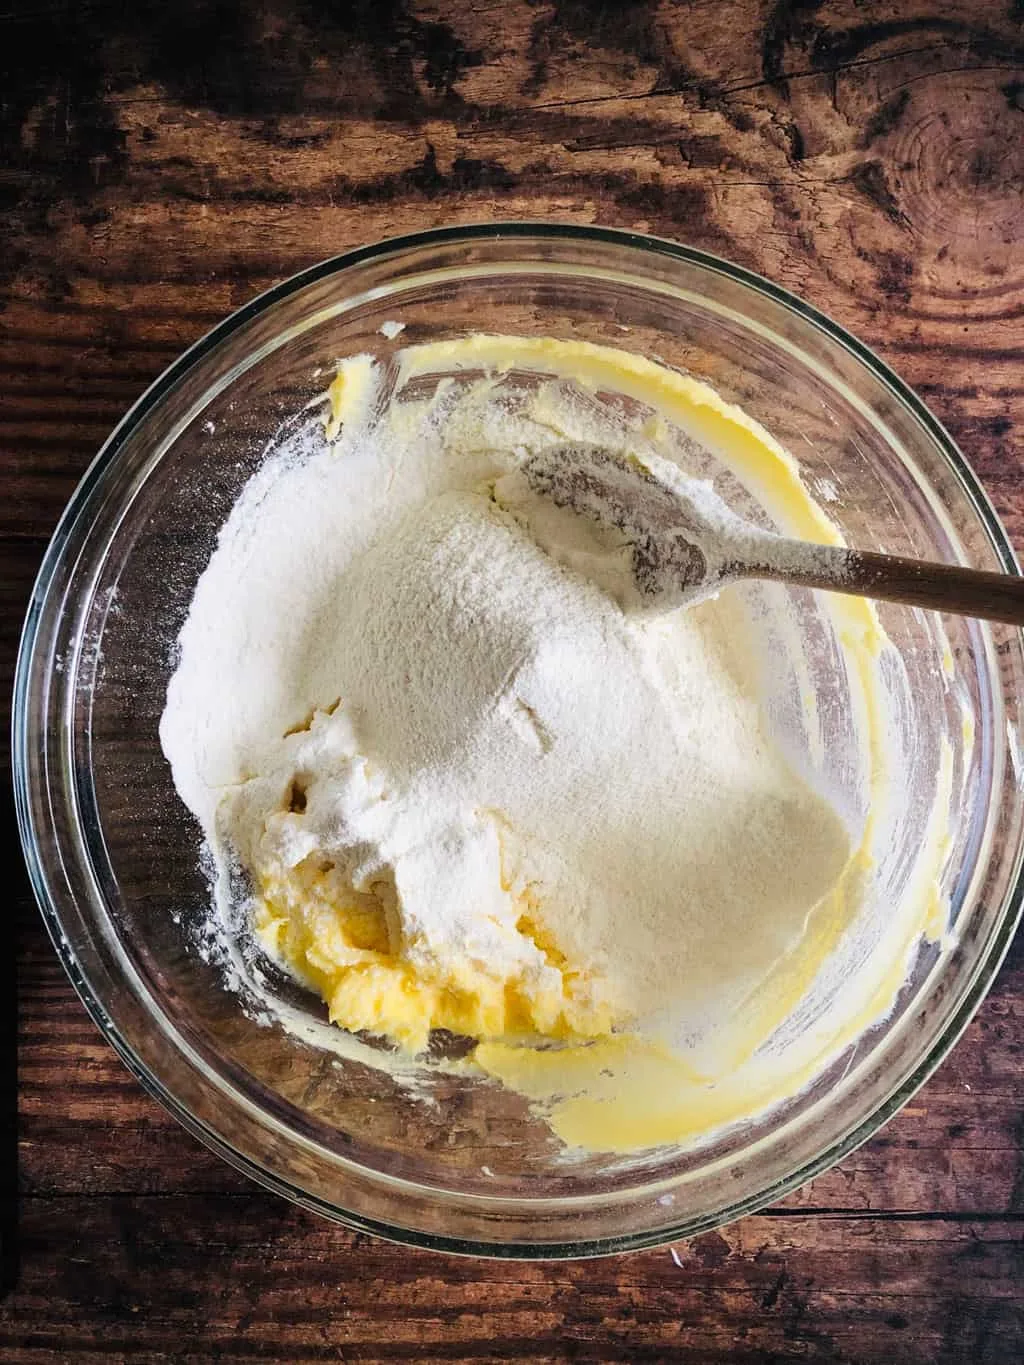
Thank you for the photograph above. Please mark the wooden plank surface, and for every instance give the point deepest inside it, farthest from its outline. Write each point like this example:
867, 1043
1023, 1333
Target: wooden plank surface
159, 165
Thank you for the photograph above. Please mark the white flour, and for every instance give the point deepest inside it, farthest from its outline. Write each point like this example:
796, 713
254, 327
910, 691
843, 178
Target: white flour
471, 718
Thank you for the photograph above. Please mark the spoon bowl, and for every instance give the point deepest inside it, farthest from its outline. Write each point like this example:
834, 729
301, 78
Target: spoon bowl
686, 543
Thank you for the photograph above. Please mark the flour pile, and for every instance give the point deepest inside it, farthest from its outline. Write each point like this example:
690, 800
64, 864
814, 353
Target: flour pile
470, 791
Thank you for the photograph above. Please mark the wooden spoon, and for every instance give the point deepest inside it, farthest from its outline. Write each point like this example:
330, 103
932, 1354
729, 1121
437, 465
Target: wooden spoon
686, 542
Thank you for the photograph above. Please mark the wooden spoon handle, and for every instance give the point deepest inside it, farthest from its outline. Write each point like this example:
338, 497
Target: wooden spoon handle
891, 578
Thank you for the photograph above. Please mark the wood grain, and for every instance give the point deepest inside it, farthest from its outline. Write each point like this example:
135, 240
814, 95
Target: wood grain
159, 166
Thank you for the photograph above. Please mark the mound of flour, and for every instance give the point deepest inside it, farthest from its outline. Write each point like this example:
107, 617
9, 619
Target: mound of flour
476, 718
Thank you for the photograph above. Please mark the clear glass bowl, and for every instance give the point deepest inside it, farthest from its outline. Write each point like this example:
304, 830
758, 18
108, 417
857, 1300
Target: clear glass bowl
115, 858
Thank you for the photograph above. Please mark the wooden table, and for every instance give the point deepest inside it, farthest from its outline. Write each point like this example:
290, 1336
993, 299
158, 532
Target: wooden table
161, 165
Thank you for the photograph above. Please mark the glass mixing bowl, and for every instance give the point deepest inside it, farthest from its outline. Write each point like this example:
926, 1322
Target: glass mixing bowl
115, 858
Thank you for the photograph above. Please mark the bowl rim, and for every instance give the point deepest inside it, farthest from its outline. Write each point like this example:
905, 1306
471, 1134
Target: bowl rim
556, 232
